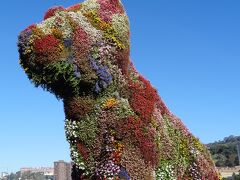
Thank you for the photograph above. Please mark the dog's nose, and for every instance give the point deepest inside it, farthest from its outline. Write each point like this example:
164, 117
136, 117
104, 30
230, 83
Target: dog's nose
24, 41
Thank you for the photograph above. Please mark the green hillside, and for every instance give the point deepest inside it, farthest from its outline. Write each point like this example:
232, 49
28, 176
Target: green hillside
224, 153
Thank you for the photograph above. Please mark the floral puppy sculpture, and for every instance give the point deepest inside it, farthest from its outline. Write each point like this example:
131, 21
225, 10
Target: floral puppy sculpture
116, 124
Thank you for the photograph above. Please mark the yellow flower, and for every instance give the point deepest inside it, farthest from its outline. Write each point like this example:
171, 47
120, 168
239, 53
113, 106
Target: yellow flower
26, 69
110, 103
57, 33
61, 47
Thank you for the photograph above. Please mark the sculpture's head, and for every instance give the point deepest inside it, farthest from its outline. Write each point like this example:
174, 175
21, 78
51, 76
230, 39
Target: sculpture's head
78, 49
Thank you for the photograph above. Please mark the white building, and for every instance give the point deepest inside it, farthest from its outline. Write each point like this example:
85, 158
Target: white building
3, 174
45, 170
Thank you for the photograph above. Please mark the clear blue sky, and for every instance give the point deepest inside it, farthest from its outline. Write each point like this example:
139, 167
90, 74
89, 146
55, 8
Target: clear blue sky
189, 50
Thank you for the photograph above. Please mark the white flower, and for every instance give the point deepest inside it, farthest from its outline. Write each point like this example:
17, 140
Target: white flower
90, 5
94, 34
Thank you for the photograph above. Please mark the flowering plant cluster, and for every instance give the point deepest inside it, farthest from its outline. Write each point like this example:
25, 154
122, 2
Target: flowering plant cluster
117, 125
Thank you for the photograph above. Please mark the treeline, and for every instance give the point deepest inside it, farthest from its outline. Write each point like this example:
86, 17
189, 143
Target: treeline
224, 153
28, 176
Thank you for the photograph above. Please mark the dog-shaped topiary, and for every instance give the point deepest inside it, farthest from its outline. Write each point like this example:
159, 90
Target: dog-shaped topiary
117, 125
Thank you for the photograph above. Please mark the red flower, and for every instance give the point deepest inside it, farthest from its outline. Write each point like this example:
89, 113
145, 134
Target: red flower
52, 11
108, 8
31, 27
143, 99
83, 150
47, 49
122, 57
74, 7
46, 44
143, 138
81, 43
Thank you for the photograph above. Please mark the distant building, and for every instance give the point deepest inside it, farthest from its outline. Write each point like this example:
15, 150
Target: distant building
3, 174
47, 171
227, 172
238, 150
62, 170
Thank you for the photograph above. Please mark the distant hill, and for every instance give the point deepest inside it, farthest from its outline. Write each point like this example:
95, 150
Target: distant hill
224, 153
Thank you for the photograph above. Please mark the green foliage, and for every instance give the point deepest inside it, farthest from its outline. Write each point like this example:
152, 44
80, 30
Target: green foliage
57, 78
14, 176
87, 130
165, 171
224, 152
78, 159
180, 145
234, 177
84, 130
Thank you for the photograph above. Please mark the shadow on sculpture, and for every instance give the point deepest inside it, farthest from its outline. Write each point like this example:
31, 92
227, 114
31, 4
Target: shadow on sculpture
117, 125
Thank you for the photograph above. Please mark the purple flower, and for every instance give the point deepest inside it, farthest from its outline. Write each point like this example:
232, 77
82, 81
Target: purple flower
23, 40
97, 89
67, 43
70, 58
93, 64
104, 77
76, 71
123, 174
